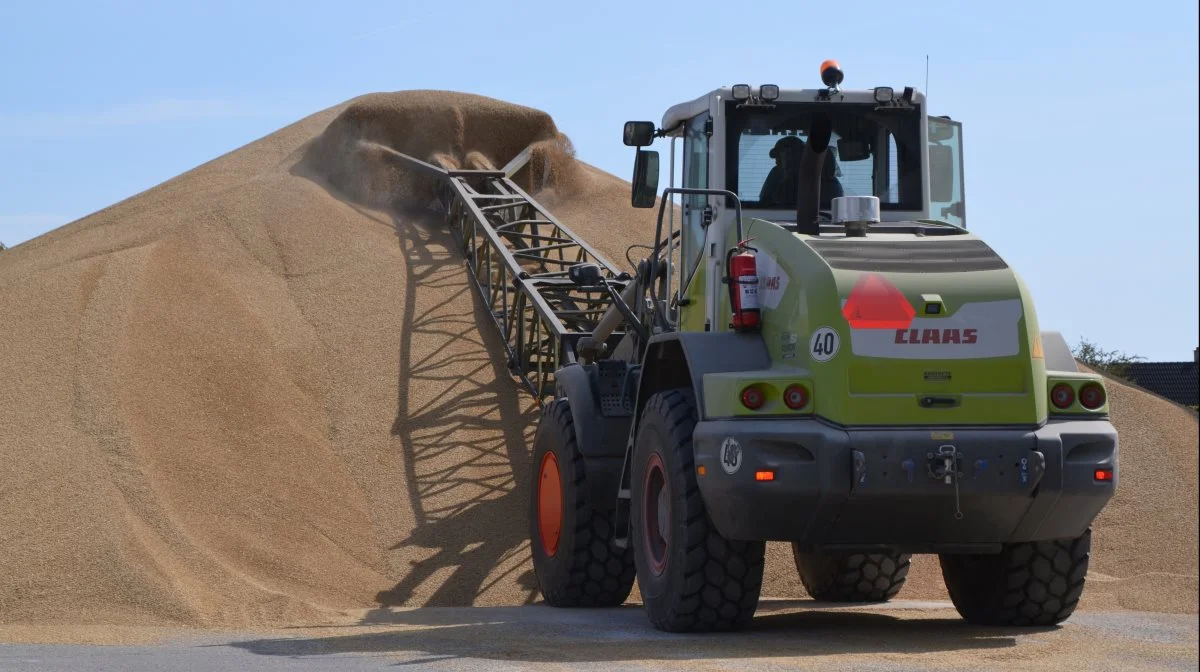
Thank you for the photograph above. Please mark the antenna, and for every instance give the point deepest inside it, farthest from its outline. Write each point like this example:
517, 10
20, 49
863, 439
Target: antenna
926, 76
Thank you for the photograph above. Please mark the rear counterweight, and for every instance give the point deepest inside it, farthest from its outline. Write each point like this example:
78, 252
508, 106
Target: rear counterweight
915, 490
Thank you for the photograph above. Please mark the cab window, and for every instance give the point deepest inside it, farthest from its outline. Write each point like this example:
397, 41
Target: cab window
695, 176
871, 153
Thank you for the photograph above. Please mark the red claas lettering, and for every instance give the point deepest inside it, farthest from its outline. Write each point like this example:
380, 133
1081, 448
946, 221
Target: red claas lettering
937, 336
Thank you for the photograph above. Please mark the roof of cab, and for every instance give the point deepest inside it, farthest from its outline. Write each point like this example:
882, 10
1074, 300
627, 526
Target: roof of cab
684, 111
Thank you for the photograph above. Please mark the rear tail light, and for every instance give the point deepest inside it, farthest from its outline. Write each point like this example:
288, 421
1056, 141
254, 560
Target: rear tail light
1104, 474
764, 475
1062, 395
796, 397
753, 397
1092, 396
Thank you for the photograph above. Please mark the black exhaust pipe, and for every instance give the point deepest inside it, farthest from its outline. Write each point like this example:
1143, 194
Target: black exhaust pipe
808, 189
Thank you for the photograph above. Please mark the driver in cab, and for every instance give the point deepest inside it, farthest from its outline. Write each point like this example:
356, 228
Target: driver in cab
779, 189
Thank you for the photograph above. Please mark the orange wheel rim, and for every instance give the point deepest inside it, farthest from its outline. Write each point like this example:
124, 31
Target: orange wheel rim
549, 504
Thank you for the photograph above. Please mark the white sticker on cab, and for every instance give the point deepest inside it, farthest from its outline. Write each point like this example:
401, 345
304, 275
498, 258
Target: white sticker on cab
772, 280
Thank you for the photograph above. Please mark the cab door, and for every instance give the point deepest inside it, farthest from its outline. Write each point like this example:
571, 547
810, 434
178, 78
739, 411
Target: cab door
696, 213
946, 199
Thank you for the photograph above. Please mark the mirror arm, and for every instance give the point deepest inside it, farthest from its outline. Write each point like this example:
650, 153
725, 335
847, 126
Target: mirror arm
664, 132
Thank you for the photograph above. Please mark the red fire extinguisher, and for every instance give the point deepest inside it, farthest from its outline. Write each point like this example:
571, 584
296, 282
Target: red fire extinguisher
742, 278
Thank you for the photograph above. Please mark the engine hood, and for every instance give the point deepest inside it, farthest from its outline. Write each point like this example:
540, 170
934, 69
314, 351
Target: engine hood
932, 299
903, 329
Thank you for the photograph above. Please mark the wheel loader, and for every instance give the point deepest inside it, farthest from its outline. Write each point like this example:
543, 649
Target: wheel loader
816, 351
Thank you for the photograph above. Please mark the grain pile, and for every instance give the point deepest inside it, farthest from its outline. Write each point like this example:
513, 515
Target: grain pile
1146, 546
263, 391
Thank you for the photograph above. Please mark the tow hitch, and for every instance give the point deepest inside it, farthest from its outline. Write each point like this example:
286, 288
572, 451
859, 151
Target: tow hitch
945, 465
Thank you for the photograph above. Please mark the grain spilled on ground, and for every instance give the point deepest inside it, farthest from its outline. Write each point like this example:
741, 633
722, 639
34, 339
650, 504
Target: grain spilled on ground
262, 393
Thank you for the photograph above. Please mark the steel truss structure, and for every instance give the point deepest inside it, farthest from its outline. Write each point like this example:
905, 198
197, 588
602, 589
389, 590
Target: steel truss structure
518, 255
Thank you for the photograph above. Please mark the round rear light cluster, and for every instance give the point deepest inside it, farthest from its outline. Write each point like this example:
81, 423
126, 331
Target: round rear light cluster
796, 397
753, 397
1092, 396
1062, 395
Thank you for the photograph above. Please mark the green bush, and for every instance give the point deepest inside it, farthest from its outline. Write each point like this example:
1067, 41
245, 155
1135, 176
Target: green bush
1112, 362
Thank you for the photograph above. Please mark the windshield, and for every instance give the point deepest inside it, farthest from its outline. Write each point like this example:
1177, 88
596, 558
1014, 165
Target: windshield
871, 153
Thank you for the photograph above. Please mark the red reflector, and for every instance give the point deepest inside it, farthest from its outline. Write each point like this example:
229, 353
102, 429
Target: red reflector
875, 303
764, 475
1091, 396
752, 398
1104, 474
1062, 395
796, 397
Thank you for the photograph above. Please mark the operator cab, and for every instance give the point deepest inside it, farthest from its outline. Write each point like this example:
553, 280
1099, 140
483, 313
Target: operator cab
882, 144
826, 162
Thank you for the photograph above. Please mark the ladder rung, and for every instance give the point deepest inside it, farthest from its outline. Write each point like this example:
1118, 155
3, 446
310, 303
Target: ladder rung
502, 206
544, 260
519, 222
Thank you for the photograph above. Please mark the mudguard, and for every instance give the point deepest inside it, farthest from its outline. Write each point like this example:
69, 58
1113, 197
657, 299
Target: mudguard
679, 358
601, 424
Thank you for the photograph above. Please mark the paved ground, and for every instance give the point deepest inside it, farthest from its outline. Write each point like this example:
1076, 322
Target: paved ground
786, 635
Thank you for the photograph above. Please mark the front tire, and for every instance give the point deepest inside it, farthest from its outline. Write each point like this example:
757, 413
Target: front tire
1027, 584
691, 578
852, 577
574, 559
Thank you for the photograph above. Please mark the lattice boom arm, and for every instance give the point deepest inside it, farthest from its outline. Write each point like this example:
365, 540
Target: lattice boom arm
518, 255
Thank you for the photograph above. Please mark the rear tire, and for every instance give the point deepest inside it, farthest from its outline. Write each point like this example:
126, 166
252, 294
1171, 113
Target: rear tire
691, 578
852, 577
1027, 584
574, 559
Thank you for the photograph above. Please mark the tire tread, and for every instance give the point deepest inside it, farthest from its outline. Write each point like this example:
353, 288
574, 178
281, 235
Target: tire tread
722, 579
852, 577
1028, 584
600, 575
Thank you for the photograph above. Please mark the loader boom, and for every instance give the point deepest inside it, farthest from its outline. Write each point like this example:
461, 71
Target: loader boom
520, 256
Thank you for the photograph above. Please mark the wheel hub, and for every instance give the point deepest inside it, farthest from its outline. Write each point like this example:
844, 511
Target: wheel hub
549, 504
656, 523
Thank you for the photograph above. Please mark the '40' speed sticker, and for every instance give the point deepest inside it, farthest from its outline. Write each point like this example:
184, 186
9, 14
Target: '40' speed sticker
824, 344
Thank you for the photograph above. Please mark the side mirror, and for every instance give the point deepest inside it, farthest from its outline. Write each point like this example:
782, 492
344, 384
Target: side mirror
639, 133
941, 174
940, 131
645, 179
853, 150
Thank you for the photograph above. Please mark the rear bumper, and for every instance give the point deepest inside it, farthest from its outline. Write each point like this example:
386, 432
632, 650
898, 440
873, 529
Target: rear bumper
873, 488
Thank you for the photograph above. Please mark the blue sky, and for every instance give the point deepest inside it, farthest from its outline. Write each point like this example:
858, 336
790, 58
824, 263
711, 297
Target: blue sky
1080, 118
